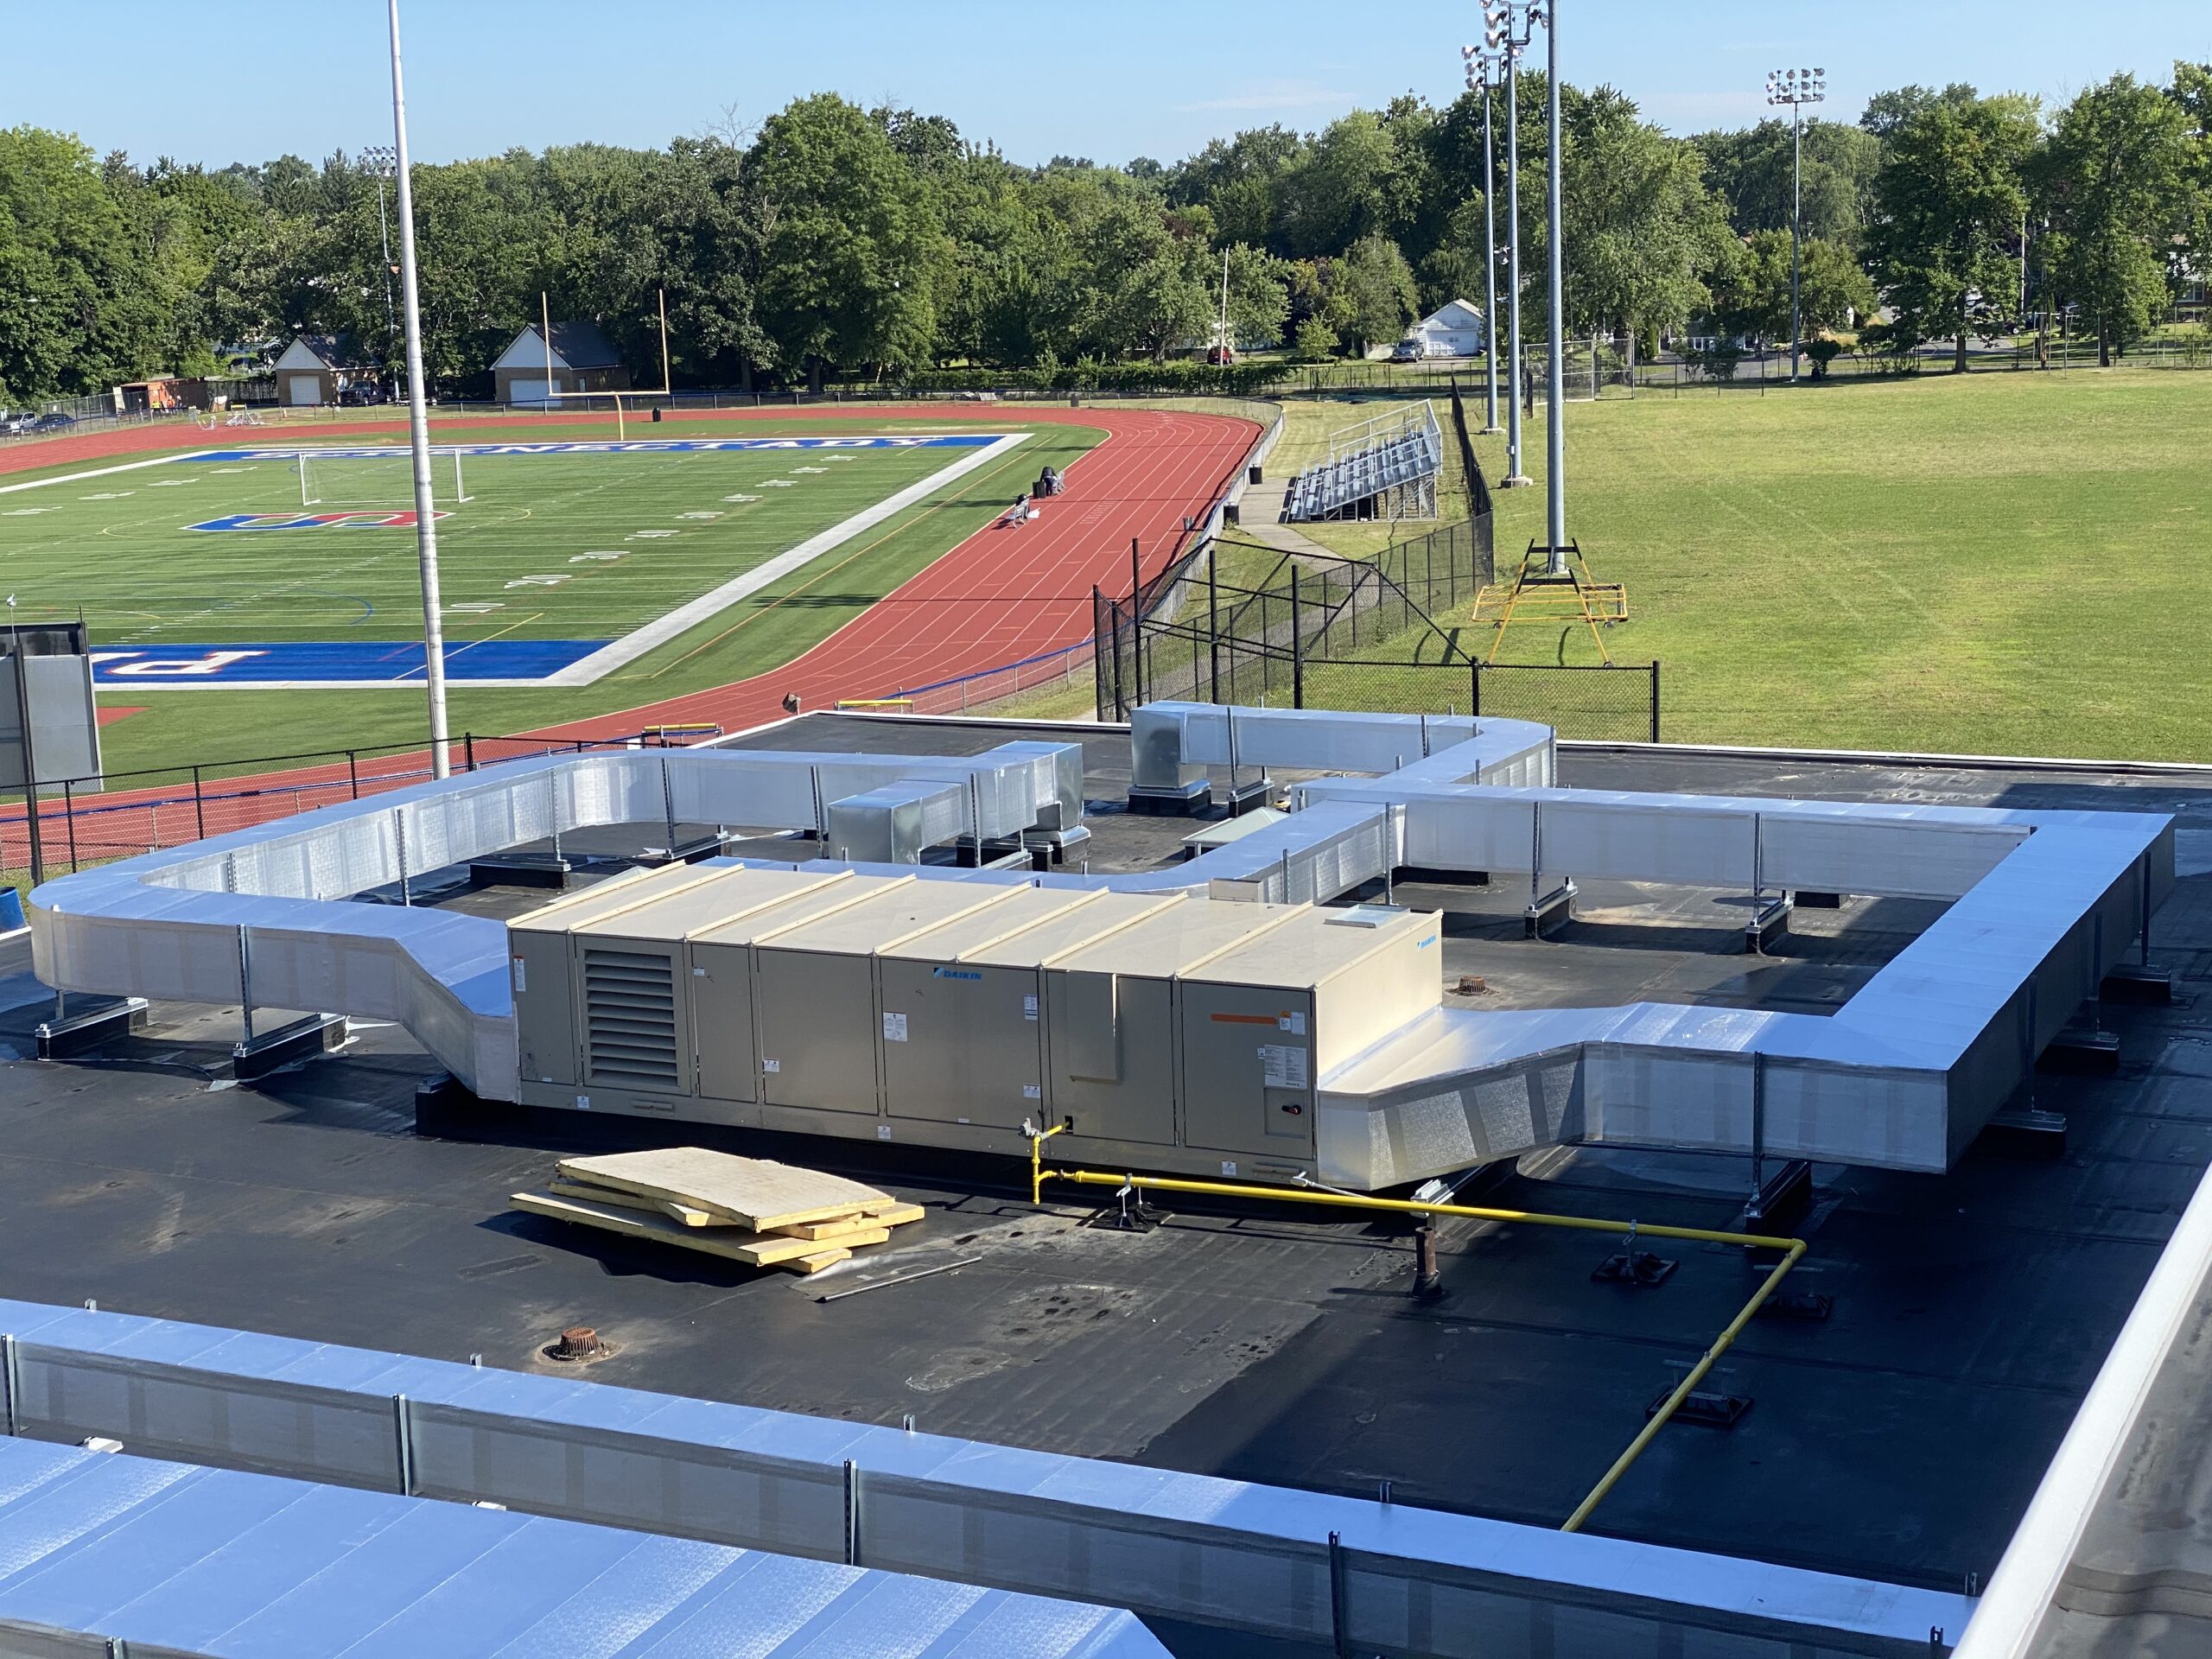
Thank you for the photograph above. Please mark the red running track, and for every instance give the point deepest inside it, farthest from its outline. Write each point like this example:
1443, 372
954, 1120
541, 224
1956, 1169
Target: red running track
1001, 595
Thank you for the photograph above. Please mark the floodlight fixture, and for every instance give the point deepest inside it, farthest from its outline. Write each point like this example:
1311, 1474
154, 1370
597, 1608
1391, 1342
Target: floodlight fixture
1796, 87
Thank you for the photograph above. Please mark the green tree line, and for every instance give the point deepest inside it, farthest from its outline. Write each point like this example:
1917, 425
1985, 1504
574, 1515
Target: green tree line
836, 242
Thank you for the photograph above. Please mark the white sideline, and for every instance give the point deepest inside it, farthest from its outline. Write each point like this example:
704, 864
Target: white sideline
621, 653
102, 471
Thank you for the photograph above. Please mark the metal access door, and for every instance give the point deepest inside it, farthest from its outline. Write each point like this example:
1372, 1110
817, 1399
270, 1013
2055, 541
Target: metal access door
1248, 1070
302, 390
722, 1022
818, 1030
970, 1051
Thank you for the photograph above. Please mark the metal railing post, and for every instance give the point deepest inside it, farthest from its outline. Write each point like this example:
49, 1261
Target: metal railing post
199, 807
1654, 700
852, 1512
353, 772
69, 819
1297, 647
468, 749
402, 1430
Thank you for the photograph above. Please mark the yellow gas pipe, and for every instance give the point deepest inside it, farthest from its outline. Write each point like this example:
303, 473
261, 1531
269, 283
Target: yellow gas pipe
1792, 1251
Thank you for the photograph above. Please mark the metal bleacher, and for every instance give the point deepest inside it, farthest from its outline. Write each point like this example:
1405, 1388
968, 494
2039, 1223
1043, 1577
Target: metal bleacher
1386, 467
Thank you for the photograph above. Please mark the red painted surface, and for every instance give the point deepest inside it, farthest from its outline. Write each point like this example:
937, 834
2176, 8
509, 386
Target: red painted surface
1000, 595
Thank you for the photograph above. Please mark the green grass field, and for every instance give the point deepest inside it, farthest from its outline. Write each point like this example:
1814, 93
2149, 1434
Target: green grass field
550, 547
1996, 563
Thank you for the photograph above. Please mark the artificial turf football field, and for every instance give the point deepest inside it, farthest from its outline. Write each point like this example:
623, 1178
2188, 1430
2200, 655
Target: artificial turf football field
554, 554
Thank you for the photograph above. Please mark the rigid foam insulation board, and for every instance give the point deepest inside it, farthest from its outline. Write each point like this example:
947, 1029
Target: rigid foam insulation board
1259, 1024
972, 1048
723, 1007
754, 1249
814, 989
540, 963
690, 1214
1110, 1011
756, 1193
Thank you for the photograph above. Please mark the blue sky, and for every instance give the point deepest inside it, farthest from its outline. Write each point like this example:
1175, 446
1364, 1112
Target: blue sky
226, 79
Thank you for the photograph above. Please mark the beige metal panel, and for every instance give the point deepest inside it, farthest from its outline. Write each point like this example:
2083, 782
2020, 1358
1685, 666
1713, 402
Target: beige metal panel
962, 1043
724, 1001
814, 992
1070, 931
1370, 972
1247, 1069
728, 896
1111, 1062
722, 1022
611, 897
545, 1005
883, 920
1023, 912
817, 1038
1179, 937
548, 1013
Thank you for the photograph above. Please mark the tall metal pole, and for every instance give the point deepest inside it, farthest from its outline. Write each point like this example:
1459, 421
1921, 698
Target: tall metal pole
1489, 258
1796, 88
1797, 220
1515, 478
1555, 390
418, 424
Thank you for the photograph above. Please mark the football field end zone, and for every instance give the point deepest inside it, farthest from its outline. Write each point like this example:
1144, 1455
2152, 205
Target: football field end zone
616, 653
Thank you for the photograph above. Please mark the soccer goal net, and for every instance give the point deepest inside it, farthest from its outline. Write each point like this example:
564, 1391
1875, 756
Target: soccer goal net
354, 479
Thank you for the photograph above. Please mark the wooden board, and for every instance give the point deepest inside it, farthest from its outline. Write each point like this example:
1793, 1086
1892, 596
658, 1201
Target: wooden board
753, 1250
753, 1193
889, 1215
816, 1262
592, 1192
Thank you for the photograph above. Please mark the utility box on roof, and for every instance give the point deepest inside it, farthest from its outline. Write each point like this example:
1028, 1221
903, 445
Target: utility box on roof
541, 965
1112, 1003
815, 984
1259, 1024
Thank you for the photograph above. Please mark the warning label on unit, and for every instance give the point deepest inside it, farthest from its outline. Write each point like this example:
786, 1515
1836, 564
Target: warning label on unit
1292, 1023
1029, 1005
1282, 1065
894, 1027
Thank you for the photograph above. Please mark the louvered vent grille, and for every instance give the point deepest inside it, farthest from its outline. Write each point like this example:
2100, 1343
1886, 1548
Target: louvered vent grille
630, 1018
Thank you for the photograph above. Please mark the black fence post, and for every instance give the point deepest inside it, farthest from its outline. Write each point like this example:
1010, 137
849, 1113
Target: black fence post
1475, 687
1213, 616
468, 748
199, 806
1297, 647
1136, 621
1121, 704
69, 818
1098, 649
353, 772
1654, 700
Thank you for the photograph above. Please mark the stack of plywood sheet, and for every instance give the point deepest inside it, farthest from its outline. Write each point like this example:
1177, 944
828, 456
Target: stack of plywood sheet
748, 1210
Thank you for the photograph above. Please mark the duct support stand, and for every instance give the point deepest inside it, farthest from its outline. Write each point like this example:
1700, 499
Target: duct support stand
2027, 1132
1183, 800
1781, 1200
2077, 1053
2142, 983
1805, 900
1770, 922
1553, 910
520, 870
313, 1034
82, 1033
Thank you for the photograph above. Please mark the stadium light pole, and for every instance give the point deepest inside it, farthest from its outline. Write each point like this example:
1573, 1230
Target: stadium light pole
418, 422
1555, 252
1478, 66
1506, 29
1796, 88
382, 160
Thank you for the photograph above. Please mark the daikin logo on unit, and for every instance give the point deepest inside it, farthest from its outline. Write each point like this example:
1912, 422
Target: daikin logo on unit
355, 520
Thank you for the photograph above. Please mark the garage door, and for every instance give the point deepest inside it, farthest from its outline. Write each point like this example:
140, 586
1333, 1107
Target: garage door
527, 391
302, 389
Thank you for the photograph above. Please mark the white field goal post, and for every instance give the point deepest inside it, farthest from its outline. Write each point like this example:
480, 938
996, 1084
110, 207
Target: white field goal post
374, 481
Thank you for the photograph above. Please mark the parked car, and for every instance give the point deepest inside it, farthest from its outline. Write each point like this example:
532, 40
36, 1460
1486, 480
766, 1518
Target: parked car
53, 423
10, 425
1407, 351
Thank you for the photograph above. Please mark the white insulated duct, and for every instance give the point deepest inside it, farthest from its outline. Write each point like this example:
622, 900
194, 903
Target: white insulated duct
2042, 904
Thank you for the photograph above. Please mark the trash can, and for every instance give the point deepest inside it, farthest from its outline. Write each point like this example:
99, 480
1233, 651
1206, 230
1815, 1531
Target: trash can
1252, 475
657, 411
11, 909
